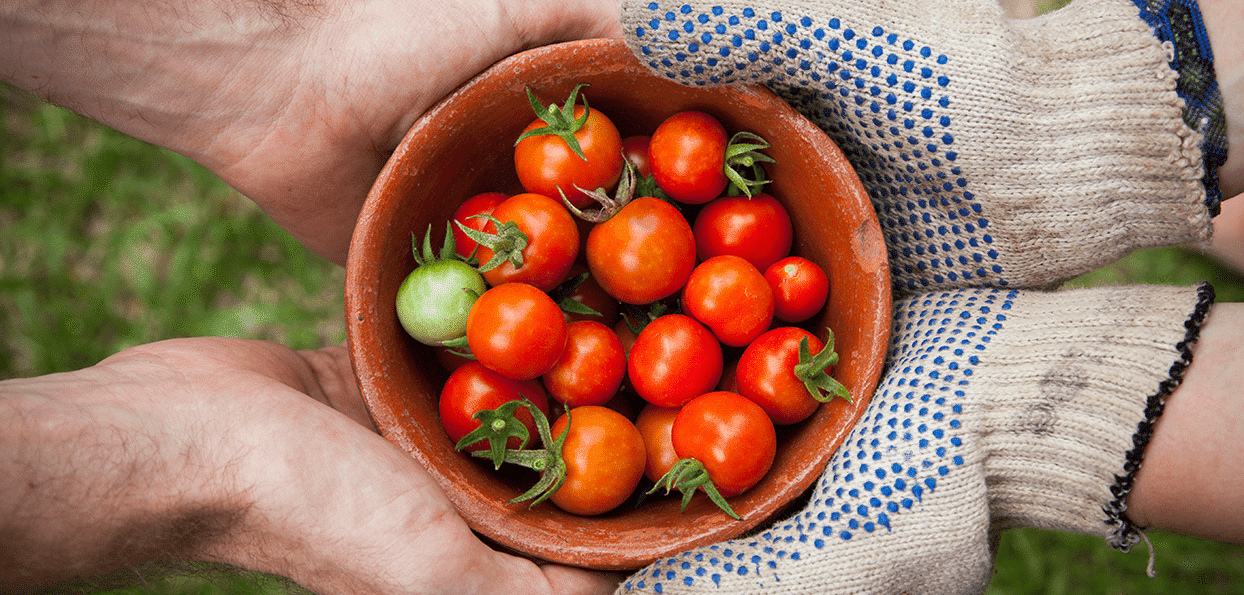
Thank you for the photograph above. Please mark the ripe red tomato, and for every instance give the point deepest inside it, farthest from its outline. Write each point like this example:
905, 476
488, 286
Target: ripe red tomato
517, 330
472, 388
757, 229
635, 150
800, 288
552, 242
545, 163
674, 359
642, 254
604, 456
731, 297
591, 294
654, 424
591, 368
766, 374
730, 435
687, 155
480, 204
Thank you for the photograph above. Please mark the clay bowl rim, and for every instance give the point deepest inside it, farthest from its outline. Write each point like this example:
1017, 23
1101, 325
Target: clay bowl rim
634, 538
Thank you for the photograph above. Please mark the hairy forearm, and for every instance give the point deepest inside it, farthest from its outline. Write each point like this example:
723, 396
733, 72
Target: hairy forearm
1190, 481
90, 486
156, 71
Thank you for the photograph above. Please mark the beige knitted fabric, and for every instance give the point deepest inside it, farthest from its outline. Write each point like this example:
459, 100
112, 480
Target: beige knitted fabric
1000, 409
1000, 152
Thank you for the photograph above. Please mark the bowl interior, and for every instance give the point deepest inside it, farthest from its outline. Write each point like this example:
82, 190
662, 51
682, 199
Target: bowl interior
465, 146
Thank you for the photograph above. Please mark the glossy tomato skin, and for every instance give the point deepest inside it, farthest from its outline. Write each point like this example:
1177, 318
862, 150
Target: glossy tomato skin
730, 435
731, 297
643, 253
800, 288
434, 299
545, 163
757, 228
766, 374
687, 155
673, 360
472, 388
635, 150
480, 204
517, 330
553, 242
591, 294
605, 457
590, 369
655, 424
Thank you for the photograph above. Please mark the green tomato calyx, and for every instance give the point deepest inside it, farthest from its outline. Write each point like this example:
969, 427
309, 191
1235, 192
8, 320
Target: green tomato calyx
811, 370
547, 461
507, 244
744, 153
687, 476
560, 122
497, 426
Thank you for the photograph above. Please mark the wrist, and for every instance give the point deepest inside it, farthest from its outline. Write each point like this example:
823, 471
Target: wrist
98, 483
1223, 21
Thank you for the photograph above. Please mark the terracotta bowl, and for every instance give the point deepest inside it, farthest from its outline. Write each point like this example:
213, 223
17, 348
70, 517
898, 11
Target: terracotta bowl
464, 146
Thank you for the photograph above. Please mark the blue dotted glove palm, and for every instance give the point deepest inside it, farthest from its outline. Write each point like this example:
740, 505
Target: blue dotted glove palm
999, 155
996, 152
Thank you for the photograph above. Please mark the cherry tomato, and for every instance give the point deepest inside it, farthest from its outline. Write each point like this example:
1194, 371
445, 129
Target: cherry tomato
591, 294
800, 288
590, 369
434, 299
687, 155
545, 163
516, 330
552, 242
473, 388
654, 424
644, 253
731, 297
730, 435
674, 359
756, 228
766, 374
480, 204
635, 150
448, 359
604, 456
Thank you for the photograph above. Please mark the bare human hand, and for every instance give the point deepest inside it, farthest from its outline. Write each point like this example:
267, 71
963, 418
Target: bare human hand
295, 104
234, 451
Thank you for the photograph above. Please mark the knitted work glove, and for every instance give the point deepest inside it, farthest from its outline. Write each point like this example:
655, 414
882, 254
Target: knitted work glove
997, 153
1009, 153
1001, 408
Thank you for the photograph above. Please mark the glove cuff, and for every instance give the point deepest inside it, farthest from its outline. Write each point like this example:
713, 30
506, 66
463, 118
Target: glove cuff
1178, 24
1080, 381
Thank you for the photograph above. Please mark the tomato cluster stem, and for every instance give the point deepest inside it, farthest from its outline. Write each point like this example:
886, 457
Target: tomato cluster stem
811, 370
547, 461
687, 476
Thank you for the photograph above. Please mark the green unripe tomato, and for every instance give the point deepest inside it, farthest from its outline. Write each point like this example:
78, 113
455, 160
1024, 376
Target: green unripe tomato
434, 300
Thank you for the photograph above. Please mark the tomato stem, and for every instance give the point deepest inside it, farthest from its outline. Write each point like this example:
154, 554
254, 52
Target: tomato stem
561, 123
609, 206
497, 426
688, 475
743, 152
812, 371
507, 243
547, 461
424, 254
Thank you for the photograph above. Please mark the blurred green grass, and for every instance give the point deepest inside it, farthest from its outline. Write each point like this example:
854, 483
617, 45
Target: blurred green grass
107, 242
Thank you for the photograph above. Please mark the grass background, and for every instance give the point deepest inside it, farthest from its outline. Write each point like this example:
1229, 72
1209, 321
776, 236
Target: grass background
107, 242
